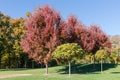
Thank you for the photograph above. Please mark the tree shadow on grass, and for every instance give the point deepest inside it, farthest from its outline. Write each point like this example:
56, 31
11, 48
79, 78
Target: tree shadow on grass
86, 68
116, 71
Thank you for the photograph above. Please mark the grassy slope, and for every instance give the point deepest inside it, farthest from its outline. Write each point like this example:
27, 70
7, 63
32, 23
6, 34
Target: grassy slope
59, 73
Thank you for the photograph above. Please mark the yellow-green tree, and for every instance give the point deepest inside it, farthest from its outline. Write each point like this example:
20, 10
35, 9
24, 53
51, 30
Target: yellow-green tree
18, 32
4, 34
115, 56
68, 53
11, 32
100, 56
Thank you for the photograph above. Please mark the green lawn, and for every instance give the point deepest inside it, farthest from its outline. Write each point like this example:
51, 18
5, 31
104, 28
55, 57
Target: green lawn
80, 72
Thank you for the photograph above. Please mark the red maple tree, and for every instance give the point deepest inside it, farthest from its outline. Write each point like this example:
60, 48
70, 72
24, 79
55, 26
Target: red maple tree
40, 39
100, 38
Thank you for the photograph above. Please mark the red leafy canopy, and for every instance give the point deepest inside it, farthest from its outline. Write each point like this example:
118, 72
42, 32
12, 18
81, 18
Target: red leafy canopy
90, 39
86, 39
68, 30
46, 30
100, 38
40, 38
75, 32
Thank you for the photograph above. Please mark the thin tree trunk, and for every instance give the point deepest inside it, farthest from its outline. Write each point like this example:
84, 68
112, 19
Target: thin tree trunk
0, 60
25, 64
101, 65
69, 68
93, 62
17, 63
9, 60
74, 67
41, 65
32, 64
46, 68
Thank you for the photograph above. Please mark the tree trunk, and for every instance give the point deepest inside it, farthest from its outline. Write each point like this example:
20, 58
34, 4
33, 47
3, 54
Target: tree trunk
17, 65
25, 64
46, 68
9, 60
74, 67
91, 60
69, 68
0, 61
101, 65
32, 64
41, 65
94, 62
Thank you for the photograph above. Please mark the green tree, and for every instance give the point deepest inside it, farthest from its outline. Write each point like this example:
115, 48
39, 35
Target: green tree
68, 52
11, 32
115, 56
101, 55
4, 31
18, 32
88, 58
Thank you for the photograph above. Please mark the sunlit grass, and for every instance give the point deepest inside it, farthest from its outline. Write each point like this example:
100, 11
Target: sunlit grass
60, 73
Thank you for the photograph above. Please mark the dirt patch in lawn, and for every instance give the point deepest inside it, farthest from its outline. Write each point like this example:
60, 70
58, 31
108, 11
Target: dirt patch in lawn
13, 75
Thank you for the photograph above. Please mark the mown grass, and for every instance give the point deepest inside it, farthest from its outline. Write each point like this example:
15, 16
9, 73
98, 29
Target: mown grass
79, 72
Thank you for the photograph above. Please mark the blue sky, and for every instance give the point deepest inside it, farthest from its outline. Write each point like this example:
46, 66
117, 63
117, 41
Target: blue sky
105, 13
